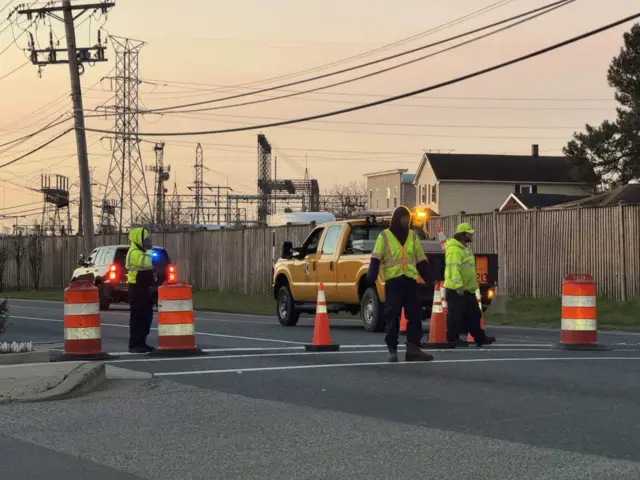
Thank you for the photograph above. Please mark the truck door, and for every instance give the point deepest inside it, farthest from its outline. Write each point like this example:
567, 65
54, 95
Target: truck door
327, 264
304, 269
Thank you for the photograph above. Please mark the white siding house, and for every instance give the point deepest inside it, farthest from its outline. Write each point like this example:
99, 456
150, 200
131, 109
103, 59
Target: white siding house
450, 183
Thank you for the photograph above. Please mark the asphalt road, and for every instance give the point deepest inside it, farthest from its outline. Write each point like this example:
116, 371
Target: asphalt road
258, 406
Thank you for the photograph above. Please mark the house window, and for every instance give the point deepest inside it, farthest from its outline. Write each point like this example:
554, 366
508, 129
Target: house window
388, 197
434, 194
377, 198
395, 197
423, 194
526, 188
370, 198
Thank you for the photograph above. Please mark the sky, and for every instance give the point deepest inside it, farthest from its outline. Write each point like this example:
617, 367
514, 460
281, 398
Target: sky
197, 50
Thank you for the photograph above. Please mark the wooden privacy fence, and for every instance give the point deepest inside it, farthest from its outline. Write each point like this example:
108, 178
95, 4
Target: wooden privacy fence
536, 249
224, 260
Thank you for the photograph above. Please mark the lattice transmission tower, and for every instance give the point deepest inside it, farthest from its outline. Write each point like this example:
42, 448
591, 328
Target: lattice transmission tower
198, 186
160, 191
126, 185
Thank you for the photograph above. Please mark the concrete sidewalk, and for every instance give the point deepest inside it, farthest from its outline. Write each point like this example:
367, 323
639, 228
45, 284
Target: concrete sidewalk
33, 382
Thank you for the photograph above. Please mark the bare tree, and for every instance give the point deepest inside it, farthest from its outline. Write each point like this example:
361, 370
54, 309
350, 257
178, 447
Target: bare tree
18, 255
4, 254
344, 200
36, 258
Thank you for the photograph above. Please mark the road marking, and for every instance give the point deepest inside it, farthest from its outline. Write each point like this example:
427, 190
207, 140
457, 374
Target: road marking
219, 335
379, 349
366, 364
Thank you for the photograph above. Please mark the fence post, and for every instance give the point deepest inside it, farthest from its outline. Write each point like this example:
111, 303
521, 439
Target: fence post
622, 263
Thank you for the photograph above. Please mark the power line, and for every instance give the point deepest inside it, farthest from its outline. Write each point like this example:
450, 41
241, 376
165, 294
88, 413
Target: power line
401, 96
15, 70
423, 125
462, 19
36, 149
543, 10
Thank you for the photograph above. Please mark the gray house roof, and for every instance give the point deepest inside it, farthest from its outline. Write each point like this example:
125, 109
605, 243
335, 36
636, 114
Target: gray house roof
502, 168
627, 194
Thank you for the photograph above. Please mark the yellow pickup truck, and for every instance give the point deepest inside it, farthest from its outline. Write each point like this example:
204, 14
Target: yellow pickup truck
337, 254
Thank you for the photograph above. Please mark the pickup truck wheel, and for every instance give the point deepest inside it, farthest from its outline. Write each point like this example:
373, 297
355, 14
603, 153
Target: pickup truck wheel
372, 311
288, 316
104, 302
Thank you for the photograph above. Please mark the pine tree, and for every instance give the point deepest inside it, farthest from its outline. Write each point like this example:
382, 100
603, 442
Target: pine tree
613, 148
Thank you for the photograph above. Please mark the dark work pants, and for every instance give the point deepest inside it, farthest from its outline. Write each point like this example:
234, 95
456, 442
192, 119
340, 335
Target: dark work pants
141, 314
463, 315
399, 293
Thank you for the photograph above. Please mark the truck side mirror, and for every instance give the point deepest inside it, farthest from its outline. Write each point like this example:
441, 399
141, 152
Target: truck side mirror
81, 260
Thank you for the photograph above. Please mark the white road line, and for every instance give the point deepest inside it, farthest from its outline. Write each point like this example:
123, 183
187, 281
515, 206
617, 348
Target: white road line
365, 364
219, 335
297, 353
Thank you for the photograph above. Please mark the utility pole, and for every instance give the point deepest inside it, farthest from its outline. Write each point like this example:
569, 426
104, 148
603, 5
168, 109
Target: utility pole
76, 59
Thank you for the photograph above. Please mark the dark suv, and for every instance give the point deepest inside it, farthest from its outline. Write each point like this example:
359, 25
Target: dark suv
105, 267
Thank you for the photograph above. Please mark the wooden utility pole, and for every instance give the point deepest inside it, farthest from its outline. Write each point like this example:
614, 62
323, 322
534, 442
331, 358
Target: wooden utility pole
76, 57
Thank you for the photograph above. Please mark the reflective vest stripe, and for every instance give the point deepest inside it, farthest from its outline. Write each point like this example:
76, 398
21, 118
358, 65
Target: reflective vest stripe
404, 260
81, 309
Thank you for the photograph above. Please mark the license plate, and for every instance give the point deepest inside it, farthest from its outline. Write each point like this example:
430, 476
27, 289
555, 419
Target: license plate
482, 269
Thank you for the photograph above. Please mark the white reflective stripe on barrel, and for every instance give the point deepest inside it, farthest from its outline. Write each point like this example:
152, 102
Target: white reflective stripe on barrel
437, 309
175, 305
73, 309
87, 333
173, 330
321, 308
579, 324
578, 301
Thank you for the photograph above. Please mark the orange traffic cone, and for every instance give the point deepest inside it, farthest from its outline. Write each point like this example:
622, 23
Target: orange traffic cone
438, 328
403, 324
321, 332
479, 299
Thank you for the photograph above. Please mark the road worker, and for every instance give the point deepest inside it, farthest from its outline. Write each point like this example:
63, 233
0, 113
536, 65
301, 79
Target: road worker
461, 283
140, 276
399, 252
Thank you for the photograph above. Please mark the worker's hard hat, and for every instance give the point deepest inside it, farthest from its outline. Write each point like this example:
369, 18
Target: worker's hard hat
464, 228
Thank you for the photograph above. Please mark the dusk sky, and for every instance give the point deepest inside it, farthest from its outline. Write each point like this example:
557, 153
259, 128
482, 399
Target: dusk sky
213, 43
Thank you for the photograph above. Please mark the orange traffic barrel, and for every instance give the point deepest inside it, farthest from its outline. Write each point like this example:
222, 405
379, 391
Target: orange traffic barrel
82, 339
438, 326
321, 332
176, 331
579, 325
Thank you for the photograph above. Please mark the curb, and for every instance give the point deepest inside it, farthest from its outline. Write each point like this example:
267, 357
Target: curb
82, 379
35, 356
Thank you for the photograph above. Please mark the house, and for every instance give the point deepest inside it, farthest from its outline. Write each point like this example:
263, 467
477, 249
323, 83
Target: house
450, 183
389, 189
627, 194
529, 201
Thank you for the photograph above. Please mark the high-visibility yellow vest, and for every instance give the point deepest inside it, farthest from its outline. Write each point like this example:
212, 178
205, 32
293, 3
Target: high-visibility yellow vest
398, 259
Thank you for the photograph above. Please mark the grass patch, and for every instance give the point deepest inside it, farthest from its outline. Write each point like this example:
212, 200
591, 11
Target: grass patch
545, 312
56, 295
202, 300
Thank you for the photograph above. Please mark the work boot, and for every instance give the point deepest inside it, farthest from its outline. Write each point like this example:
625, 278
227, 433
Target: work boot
149, 348
393, 356
458, 342
485, 341
415, 354
138, 349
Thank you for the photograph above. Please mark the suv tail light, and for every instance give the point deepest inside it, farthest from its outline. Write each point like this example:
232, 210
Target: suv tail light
113, 272
171, 274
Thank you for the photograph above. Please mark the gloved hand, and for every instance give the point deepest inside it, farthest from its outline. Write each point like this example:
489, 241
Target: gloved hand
460, 292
